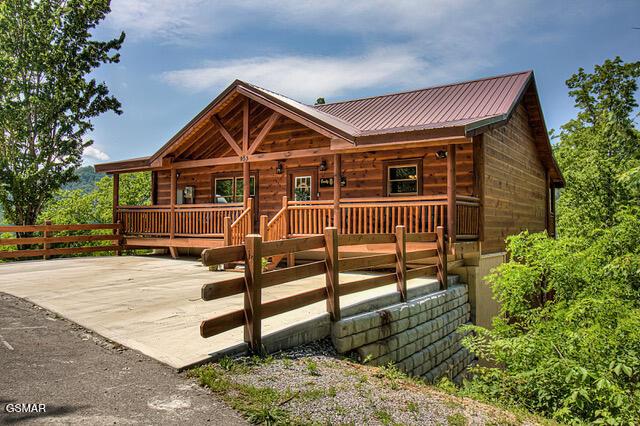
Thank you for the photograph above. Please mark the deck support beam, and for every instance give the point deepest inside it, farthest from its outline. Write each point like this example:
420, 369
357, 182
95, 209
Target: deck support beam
451, 193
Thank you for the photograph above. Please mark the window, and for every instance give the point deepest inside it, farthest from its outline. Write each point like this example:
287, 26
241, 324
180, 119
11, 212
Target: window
403, 179
230, 189
302, 188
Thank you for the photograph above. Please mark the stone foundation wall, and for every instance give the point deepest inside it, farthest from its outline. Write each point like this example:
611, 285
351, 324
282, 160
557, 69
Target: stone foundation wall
418, 336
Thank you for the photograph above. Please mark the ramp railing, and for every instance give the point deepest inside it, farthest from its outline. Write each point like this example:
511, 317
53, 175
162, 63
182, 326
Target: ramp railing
434, 255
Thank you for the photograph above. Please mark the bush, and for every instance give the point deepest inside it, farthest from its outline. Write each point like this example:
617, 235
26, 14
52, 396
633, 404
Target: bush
567, 340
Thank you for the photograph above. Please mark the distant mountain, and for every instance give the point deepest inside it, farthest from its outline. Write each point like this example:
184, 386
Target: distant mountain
87, 178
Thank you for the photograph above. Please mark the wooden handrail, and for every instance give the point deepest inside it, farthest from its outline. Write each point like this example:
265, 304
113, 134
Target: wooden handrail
277, 228
243, 225
255, 278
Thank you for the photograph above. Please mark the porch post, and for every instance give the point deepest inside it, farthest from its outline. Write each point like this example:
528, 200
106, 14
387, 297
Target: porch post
172, 217
478, 180
116, 196
451, 192
246, 183
337, 188
116, 203
246, 168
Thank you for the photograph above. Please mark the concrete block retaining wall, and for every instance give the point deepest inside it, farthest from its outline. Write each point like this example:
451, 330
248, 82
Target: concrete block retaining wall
419, 336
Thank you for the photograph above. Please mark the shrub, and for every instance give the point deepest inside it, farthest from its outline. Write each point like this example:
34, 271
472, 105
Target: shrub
567, 340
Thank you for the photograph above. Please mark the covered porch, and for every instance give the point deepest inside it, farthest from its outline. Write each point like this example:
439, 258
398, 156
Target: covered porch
256, 162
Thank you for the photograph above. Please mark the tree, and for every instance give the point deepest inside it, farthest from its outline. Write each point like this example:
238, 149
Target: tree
78, 206
47, 100
599, 151
567, 337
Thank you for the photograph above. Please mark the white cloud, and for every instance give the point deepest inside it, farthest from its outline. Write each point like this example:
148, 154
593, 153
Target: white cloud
308, 77
161, 19
92, 154
407, 43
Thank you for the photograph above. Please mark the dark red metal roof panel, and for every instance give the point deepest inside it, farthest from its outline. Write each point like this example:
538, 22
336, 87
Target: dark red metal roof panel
433, 107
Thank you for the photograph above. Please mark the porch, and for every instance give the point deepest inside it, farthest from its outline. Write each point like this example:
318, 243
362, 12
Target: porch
214, 225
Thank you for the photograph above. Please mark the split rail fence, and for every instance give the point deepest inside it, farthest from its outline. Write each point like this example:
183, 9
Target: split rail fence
47, 243
255, 279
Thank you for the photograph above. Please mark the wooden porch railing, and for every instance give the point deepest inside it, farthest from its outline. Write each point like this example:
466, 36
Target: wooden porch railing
42, 241
235, 232
255, 279
378, 215
382, 215
191, 220
467, 217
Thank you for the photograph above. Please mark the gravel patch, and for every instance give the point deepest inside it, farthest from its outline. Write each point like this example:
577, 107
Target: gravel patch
316, 387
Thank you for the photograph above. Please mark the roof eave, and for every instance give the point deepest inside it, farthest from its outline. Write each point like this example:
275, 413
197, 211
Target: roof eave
125, 166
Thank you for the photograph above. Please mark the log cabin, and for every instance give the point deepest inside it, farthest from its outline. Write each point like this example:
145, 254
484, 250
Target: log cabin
474, 157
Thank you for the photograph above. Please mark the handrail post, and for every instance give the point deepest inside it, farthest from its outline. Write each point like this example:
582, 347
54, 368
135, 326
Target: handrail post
253, 292
333, 272
226, 231
250, 216
46, 234
401, 261
264, 220
441, 266
285, 217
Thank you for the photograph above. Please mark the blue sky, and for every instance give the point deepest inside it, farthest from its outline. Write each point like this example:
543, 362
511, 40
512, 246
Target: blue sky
180, 54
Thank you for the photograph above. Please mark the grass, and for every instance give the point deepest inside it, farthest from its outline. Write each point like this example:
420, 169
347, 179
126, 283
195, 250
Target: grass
312, 368
260, 405
457, 420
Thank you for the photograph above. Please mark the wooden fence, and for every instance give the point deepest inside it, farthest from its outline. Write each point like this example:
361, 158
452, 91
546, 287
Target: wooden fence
46, 241
255, 279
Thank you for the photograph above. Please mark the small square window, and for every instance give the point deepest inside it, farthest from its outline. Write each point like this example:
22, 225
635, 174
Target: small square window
402, 179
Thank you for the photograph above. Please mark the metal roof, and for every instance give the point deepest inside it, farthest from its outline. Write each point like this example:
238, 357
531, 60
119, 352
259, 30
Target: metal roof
450, 105
459, 109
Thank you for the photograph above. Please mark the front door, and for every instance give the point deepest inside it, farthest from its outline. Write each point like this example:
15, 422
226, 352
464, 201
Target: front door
302, 185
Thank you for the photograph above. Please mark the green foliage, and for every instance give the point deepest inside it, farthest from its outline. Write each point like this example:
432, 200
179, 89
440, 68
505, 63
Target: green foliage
76, 206
599, 151
567, 340
47, 100
87, 179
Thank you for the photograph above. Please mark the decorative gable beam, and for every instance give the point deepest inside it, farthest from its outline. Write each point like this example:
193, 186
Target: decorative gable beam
263, 133
225, 133
245, 125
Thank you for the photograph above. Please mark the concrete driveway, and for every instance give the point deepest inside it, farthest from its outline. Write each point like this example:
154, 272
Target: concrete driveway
152, 304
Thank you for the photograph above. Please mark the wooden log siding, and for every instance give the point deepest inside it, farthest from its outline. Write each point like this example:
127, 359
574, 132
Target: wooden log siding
191, 220
49, 241
514, 183
256, 279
